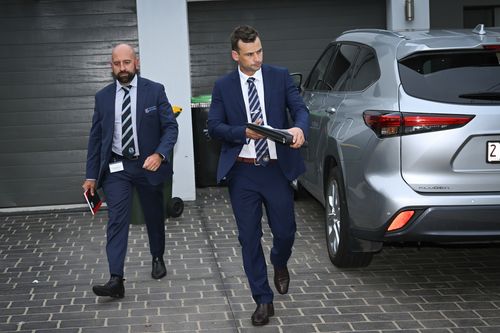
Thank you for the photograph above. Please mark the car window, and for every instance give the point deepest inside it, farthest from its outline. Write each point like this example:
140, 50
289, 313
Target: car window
315, 80
453, 76
337, 75
366, 71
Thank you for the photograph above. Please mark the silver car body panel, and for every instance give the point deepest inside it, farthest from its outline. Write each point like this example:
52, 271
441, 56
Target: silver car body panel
383, 176
458, 162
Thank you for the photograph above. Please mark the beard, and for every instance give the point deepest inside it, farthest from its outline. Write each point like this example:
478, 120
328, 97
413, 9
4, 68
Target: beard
124, 77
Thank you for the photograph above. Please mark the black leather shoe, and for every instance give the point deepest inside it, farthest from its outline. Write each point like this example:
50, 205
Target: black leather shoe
159, 269
113, 288
281, 280
262, 313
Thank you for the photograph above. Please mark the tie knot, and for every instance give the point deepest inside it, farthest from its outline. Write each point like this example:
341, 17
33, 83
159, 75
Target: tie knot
250, 80
127, 88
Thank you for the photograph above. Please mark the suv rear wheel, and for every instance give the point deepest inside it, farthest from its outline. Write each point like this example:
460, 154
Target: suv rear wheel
337, 225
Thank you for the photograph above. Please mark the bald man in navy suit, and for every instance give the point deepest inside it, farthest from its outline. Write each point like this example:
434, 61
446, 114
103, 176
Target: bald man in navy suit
132, 136
258, 171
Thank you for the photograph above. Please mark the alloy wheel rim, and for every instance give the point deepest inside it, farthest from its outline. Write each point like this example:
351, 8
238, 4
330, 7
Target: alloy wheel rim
333, 217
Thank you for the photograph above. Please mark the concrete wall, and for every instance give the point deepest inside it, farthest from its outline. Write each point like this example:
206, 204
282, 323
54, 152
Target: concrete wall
397, 19
450, 13
164, 51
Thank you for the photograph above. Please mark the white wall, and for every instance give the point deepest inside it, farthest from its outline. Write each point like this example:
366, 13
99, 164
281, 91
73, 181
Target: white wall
396, 19
164, 58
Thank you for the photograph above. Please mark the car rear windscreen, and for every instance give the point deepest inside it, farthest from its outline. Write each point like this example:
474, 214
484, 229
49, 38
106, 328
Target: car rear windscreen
453, 76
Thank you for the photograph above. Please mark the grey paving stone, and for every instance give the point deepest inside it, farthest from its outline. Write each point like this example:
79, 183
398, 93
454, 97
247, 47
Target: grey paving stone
135, 320
180, 327
82, 323
265, 329
58, 330
468, 322
334, 327
437, 323
464, 330
374, 325
407, 324
344, 318
491, 329
146, 328
10, 328
303, 328
492, 321
110, 329
434, 288
39, 325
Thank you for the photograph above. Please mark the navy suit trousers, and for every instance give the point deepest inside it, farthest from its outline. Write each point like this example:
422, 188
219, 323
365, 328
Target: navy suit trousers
118, 189
250, 188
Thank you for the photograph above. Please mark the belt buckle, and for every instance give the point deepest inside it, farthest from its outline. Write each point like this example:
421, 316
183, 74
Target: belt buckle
266, 159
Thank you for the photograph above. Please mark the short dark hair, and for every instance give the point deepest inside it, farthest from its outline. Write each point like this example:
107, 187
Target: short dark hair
245, 33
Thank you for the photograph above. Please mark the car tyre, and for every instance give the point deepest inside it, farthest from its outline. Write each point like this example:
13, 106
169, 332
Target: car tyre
338, 236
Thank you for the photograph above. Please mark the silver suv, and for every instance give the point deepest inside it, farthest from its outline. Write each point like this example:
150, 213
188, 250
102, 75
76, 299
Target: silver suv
404, 140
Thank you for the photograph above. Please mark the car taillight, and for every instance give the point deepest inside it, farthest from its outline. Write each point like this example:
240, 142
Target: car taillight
386, 124
492, 47
383, 124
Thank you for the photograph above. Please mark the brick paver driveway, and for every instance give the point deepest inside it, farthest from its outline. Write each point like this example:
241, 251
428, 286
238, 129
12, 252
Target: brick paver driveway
49, 262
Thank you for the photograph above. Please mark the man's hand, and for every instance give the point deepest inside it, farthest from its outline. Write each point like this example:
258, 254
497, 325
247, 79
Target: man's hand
252, 134
153, 162
298, 137
89, 185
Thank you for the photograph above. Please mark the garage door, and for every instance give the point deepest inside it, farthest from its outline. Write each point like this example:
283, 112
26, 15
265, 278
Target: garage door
54, 57
293, 32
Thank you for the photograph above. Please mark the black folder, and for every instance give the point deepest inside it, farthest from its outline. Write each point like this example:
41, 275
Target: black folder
278, 135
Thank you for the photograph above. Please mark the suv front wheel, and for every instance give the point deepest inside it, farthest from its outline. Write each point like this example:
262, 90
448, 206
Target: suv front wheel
337, 225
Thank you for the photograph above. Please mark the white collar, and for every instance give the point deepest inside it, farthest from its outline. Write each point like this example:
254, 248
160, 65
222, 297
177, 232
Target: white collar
257, 75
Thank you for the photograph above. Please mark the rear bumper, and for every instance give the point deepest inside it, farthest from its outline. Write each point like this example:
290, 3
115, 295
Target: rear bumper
445, 224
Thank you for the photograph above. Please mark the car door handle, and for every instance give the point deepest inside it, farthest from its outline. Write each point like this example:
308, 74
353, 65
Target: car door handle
331, 110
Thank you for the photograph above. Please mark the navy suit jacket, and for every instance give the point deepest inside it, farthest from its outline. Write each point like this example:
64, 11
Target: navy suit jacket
227, 117
156, 130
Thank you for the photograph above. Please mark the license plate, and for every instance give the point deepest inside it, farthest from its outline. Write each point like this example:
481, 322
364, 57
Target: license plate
493, 151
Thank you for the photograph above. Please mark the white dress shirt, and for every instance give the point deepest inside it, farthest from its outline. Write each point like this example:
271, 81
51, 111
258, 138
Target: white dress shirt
117, 133
248, 150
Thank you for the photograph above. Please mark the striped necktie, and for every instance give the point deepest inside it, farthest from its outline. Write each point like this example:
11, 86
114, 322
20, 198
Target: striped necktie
128, 145
261, 147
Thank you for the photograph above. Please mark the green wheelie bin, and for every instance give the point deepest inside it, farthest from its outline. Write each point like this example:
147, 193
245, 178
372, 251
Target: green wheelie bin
173, 207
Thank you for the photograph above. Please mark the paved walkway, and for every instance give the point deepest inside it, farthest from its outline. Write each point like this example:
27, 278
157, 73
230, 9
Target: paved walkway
49, 262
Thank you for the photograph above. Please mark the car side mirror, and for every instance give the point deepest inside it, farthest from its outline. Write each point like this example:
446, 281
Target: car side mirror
297, 80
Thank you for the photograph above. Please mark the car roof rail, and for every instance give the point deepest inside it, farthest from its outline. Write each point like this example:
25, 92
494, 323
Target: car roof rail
376, 31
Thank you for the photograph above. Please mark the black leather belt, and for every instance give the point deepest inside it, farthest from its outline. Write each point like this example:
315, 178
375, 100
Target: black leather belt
116, 157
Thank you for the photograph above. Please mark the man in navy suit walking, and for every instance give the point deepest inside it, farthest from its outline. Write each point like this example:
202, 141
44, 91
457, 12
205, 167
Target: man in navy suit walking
132, 136
258, 171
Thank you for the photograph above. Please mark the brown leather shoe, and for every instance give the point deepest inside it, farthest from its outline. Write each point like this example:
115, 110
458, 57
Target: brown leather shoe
262, 313
281, 279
